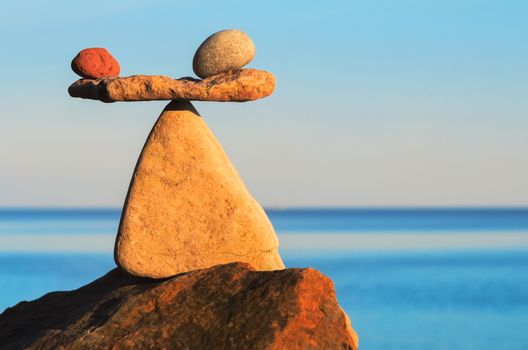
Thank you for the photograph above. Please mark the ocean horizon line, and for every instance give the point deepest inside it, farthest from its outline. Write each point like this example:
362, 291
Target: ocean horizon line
475, 219
287, 208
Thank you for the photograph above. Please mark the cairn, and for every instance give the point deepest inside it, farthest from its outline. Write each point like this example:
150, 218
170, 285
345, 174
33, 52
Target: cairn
187, 207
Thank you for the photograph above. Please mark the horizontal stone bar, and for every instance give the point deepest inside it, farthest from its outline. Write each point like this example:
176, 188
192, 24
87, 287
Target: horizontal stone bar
236, 85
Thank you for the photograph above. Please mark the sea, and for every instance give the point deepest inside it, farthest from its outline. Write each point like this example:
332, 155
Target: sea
409, 278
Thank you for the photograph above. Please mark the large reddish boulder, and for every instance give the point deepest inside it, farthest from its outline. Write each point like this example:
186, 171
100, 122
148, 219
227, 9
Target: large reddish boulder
223, 307
95, 63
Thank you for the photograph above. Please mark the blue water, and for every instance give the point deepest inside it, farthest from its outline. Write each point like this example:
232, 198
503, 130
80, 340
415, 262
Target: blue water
290, 220
445, 299
397, 220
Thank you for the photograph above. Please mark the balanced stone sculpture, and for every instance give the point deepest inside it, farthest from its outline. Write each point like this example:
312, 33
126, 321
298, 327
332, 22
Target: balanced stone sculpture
187, 207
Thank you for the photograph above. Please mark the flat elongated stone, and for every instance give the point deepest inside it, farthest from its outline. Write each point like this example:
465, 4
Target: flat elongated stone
236, 85
187, 208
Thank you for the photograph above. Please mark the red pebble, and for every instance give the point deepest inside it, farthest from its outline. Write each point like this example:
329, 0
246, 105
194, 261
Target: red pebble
95, 63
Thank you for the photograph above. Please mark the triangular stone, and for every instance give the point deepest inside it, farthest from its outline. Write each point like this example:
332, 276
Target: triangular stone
187, 208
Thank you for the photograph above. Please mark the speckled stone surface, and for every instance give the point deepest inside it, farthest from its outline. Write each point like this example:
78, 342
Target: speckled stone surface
224, 50
187, 207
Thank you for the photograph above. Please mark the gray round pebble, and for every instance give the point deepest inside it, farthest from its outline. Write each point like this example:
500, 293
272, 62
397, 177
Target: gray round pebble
223, 51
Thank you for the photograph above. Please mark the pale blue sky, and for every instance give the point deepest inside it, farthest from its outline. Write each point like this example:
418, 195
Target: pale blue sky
378, 103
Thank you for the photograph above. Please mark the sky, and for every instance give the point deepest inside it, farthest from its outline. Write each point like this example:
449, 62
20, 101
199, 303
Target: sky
378, 103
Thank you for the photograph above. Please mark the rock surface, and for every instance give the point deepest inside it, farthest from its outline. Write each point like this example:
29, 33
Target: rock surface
187, 208
237, 85
223, 51
94, 63
225, 307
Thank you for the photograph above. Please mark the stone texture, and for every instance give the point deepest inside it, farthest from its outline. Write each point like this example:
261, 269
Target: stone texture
225, 307
94, 63
187, 208
223, 51
237, 85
